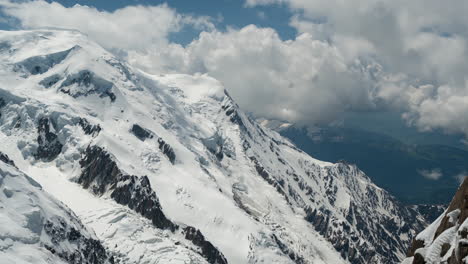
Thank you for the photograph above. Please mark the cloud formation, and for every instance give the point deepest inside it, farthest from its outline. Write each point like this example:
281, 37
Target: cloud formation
421, 46
347, 56
433, 174
128, 28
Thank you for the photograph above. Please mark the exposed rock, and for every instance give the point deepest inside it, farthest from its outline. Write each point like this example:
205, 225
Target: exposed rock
88, 250
415, 245
88, 128
288, 252
4, 157
418, 259
136, 193
455, 218
101, 174
445, 249
141, 133
49, 145
85, 83
167, 150
210, 252
50, 80
41, 64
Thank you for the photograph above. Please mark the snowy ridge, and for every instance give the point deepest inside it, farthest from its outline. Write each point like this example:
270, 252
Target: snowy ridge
446, 239
36, 228
211, 171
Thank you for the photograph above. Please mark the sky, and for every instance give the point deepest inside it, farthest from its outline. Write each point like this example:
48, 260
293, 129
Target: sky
309, 62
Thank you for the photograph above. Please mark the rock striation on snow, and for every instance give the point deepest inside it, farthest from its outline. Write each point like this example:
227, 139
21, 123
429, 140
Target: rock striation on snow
170, 167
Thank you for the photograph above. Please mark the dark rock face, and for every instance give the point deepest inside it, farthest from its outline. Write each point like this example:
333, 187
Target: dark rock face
210, 252
101, 174
141, 133
49, 145
4, 157
50, 81
230, 109
89, 251
136, 193
85, 83
167, 150
414, 246
88, 128
460, 203
284, 248
266, 176
2, 102
418, 259
41, 64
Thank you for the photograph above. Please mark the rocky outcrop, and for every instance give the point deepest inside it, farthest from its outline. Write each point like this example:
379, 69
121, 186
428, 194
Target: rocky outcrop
88, 250
167, 150
85, 83
89, 128
41, 64
141, 133
210, 252
446, 240
101, 174
50, 80
4, 157
33, 221
136, 193
49, 147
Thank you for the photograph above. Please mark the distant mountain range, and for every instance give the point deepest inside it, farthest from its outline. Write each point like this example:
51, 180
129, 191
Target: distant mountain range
416, 174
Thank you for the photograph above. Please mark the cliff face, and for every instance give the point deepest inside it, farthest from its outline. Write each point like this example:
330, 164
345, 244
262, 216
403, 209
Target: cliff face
445, 240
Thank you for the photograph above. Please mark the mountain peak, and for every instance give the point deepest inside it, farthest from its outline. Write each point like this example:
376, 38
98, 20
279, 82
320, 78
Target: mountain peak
170, 165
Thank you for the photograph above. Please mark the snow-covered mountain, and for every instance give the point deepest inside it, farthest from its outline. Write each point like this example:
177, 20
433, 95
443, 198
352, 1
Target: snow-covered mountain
36, 228
168, 169
446, 239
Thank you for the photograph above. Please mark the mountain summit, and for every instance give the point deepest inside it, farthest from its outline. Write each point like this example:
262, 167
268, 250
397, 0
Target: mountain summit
168, 169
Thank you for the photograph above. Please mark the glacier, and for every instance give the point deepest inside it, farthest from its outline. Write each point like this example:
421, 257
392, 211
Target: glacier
168, 169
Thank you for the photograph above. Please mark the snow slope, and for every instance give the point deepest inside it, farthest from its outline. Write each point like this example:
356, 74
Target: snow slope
168, 168
36, 228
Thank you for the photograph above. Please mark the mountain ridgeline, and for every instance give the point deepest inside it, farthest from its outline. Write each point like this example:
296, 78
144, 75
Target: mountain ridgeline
168, 169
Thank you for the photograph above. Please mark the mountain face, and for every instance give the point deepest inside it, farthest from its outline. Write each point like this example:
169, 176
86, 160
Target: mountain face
390, 163
168, 169
36, 228
445, 240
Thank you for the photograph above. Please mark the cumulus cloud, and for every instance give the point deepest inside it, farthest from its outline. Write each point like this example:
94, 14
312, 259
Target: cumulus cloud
347, 56
301, 80
433, 174
128, 28
418, 43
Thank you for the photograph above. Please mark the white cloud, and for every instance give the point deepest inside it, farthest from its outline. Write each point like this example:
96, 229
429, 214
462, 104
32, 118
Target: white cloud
420, 43
301, 80
348, 56
433, 174
130, 28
